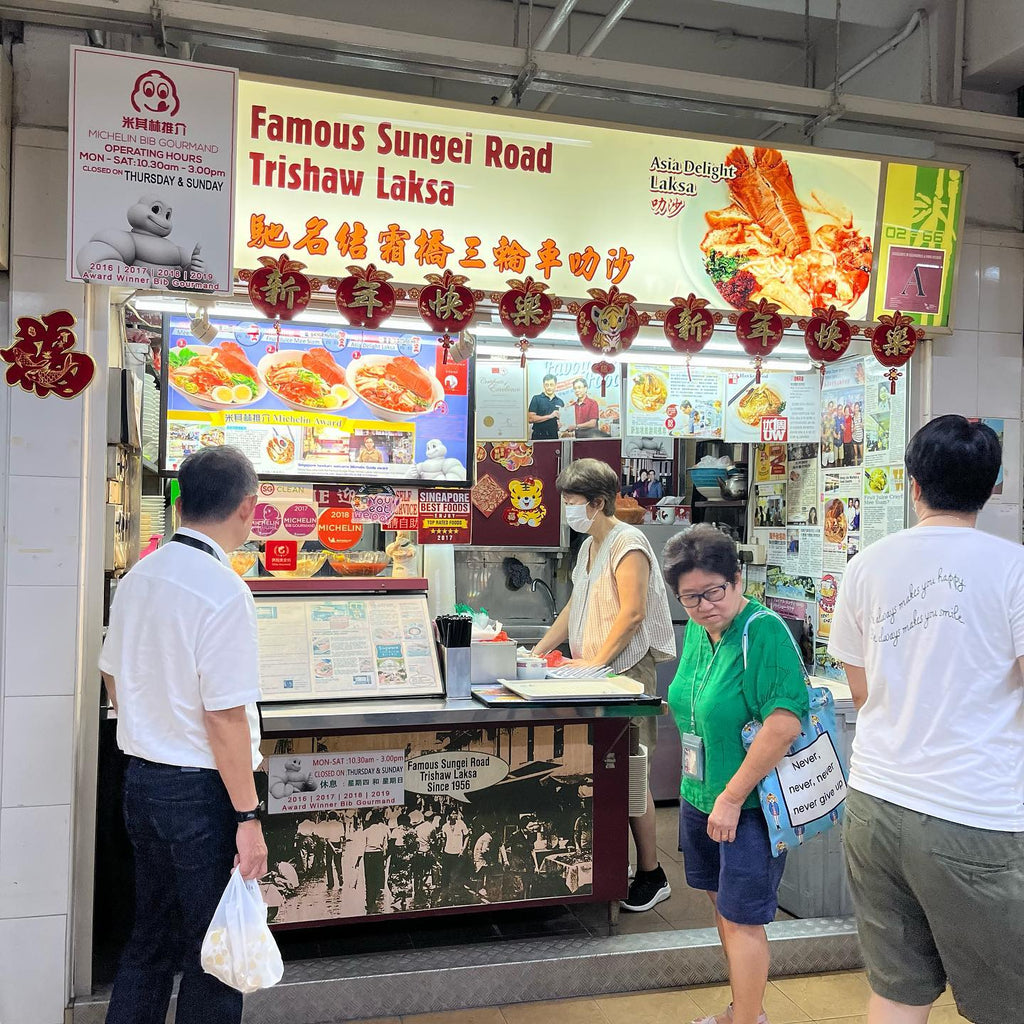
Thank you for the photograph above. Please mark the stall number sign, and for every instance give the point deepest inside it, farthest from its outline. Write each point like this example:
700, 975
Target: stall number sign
774, 429
812, 781
335, 781
282, 555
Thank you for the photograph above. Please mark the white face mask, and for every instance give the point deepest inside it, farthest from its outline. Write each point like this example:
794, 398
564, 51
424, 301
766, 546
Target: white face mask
578, 519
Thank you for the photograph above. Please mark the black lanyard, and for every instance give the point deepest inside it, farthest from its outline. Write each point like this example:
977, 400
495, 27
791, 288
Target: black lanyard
192, 542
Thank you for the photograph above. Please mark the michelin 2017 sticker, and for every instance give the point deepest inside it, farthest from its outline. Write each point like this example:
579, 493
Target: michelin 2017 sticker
151, 172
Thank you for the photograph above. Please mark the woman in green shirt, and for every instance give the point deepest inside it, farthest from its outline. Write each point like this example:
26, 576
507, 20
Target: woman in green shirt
722, 831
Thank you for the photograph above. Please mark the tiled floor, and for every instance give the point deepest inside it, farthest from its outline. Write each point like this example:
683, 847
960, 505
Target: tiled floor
814, 999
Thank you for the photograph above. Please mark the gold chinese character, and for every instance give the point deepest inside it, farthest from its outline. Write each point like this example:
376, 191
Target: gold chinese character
527, 311
364, 296
447, 304
896, 342
278, 288
761, 328
689, 325
827, 337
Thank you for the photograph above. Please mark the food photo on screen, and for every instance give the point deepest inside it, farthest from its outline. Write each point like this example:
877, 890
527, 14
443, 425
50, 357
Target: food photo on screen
318, 402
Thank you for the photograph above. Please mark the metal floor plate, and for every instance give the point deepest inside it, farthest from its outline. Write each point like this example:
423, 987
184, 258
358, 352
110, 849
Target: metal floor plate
331, 990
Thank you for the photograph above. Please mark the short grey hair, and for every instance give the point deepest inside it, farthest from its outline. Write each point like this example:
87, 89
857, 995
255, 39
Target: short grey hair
591, 479
214, 482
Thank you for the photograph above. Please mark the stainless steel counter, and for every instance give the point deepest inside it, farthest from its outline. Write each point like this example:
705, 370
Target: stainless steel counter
324, 717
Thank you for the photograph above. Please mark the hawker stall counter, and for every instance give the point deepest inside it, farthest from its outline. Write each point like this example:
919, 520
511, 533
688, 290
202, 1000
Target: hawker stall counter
387, 799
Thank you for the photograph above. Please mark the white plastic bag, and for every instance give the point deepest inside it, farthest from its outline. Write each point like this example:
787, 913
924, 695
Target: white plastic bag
239, 949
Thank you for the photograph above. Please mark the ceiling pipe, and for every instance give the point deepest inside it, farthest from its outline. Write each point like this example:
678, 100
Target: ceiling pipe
959, 54
600, 34
914, 22
547, 36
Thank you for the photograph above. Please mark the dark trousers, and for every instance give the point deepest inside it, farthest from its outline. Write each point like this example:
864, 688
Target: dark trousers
373, 868
182, 829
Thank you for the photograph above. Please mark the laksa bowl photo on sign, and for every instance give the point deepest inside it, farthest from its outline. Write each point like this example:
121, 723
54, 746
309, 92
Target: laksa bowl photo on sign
795, 229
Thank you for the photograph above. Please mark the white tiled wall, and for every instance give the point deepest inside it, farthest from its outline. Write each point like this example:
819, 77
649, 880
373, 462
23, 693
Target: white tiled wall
977, 370
40, 556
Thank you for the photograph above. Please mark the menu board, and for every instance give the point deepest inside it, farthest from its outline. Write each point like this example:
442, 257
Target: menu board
320, 403
341, 647
674, 401
782, 407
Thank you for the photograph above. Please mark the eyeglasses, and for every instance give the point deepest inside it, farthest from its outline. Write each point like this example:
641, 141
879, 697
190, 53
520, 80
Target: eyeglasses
712, 596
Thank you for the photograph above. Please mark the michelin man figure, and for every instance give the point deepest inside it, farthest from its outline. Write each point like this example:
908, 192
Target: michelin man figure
146, 244
437, 465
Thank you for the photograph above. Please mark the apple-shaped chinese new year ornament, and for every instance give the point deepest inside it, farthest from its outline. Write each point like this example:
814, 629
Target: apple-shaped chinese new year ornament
525, 312
893, 342
689, 325
827, 335
364, 298
759, 329
446, 305
278, 288
608, 323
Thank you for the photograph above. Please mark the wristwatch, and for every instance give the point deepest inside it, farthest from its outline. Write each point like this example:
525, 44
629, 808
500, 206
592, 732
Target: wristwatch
254, 815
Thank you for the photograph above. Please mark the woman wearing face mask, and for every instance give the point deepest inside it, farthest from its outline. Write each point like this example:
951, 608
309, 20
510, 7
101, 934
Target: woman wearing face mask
618, 616
716, 692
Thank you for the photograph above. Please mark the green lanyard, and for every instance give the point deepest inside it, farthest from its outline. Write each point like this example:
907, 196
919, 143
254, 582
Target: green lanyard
695, 696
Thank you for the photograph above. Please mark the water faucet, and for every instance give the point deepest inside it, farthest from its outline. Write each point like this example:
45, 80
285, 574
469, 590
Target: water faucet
551, 597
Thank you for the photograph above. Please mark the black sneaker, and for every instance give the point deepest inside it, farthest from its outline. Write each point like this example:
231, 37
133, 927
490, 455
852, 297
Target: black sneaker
647, 890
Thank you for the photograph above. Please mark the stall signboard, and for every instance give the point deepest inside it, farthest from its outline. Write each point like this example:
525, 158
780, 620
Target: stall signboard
498, 195
587, 405
921, 224
500, 401
407, 822
674, 401
318, 403
782, 407
445, 517
151, 172
345, 647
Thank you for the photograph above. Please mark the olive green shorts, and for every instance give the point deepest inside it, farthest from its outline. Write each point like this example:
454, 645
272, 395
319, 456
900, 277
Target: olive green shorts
937, 902
645, 730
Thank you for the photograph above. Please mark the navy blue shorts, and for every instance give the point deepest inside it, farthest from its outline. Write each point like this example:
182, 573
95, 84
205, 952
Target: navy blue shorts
744, 873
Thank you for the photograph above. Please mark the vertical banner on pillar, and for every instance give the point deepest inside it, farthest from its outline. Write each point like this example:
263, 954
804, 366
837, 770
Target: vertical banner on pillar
151, 172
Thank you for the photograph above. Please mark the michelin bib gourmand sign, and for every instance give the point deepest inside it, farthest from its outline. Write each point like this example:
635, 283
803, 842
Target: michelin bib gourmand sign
151, 178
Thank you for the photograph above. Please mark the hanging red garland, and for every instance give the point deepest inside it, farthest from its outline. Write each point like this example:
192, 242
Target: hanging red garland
604, 369
525, 312
689, 325
447, 305
827, 335
364, 298
759, 329
278, 288
608, 323
893, 342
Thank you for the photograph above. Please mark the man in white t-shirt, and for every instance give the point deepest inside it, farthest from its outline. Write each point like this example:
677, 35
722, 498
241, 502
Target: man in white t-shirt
181, 669
456, 836
930, 626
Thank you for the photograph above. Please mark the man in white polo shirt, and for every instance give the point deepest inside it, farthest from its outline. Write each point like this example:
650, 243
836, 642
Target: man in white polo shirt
181, 668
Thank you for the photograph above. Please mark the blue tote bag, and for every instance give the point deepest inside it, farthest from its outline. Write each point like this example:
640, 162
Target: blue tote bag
804, 795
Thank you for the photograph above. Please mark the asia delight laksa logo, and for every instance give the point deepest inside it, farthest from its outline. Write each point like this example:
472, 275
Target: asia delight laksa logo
155, 93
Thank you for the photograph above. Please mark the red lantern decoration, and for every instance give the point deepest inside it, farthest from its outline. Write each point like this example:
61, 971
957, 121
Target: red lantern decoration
759, 330
688, 326
525, 312
278, 288
608, 323
603, 369
446, 305
364, 298
893, 342
827, 334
